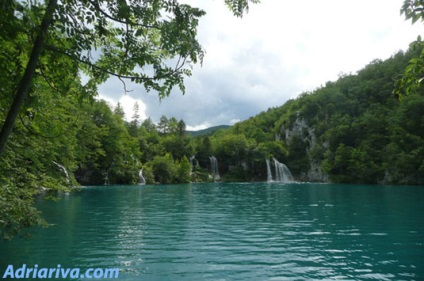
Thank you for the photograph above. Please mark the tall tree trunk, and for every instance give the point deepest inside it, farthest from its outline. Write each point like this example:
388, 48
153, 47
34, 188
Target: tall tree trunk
26, 80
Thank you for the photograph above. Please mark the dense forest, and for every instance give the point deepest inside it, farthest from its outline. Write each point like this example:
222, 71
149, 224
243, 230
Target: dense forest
53, 132
353, 130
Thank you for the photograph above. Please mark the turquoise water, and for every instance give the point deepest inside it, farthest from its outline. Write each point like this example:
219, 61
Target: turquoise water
222, 231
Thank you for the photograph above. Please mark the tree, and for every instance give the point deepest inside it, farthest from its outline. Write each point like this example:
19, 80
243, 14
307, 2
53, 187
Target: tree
135, 121
412, 80
41, 139
26, 80
163, 124
125, 36
118, 110
203, 150
44, 47
184, 168
149, 125
181, 128
121, 149
172, 125
164, 169
136, 115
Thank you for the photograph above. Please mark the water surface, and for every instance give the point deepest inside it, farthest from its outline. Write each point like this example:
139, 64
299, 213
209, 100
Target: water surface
222, 231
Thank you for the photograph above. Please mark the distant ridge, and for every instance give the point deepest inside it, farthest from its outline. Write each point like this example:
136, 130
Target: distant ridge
208, 131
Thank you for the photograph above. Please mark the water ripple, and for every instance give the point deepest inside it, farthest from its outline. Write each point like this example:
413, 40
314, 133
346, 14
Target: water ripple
235, 232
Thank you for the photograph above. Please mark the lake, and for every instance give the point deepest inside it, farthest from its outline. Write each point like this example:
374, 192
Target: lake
232, 231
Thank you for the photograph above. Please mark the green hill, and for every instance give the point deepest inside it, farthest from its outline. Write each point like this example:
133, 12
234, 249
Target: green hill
208, 131
353, 130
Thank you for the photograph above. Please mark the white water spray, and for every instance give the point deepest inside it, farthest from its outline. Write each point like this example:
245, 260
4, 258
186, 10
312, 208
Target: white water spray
282, 173
141, 179
214, 168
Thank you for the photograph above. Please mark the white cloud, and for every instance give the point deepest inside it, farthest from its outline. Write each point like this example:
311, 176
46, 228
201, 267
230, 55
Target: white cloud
127, 103
202, 126
275, 52
233, 121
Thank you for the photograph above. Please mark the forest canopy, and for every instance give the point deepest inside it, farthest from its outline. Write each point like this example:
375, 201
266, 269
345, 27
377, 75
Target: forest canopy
45, 46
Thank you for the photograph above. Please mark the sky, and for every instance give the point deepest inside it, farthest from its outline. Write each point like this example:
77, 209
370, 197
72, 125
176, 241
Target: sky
275, 52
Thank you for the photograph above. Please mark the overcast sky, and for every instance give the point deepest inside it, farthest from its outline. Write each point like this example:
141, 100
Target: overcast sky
278, 50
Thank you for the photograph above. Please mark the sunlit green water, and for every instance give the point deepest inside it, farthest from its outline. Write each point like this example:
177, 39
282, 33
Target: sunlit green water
233, 232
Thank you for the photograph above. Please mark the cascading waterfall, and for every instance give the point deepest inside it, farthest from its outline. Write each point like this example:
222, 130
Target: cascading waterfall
193, 162
64, 171
268, 171
106, 178
282, 173
141, 180
214, 167
105, 174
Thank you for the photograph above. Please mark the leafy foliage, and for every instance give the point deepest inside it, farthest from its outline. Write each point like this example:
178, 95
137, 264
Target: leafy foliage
352, 130
57, 125
239, 6
411, 81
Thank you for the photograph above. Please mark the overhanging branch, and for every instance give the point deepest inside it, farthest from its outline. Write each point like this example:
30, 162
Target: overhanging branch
97, 7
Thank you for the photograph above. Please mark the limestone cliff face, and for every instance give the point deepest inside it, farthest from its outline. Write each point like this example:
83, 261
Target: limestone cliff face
315, 173
300, 131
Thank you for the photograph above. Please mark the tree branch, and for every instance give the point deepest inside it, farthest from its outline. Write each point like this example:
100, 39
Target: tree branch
31, 131
97, 7
25, 82
51, 48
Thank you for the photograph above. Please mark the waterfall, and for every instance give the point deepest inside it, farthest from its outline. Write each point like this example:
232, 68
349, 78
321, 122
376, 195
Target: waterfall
141, 180
192, 163
105, 174
106, 178
282, 173
268, 171
214, 167
64, 171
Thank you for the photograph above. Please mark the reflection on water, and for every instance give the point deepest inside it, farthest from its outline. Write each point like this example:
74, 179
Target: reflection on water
233, 232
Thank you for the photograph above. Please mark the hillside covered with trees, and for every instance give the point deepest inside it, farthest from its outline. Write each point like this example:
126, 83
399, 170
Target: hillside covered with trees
51, 125
353, 130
